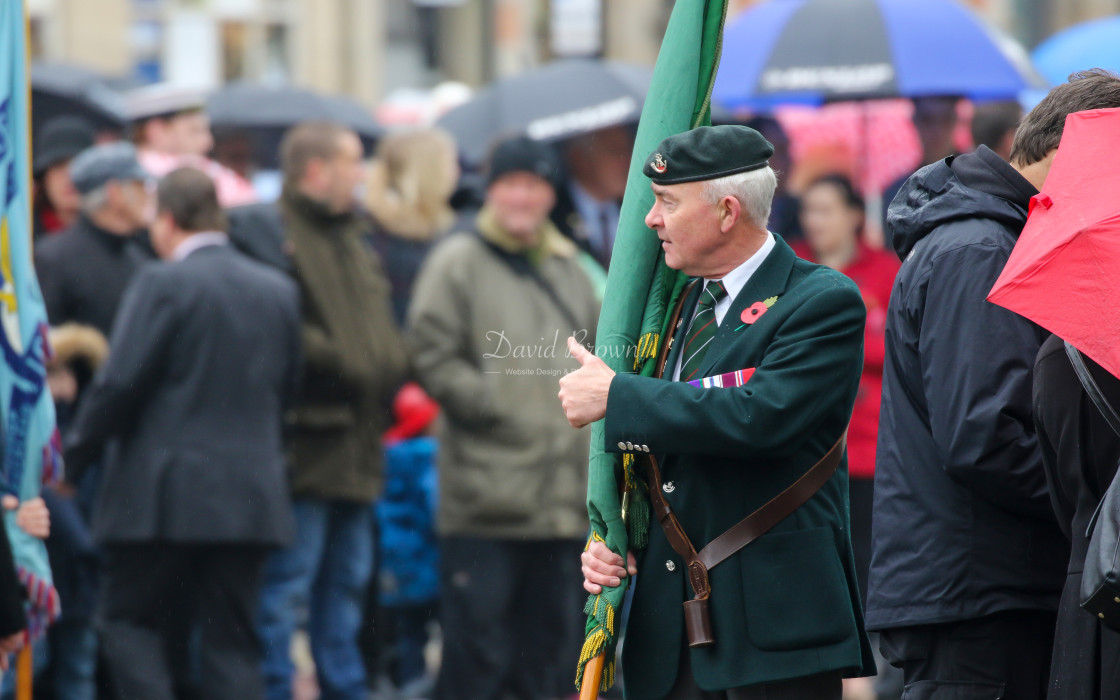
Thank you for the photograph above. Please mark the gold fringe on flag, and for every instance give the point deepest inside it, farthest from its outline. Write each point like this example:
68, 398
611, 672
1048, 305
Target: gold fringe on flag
600, 640
646, 349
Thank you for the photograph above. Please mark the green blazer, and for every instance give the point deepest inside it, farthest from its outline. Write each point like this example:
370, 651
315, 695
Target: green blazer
787, 605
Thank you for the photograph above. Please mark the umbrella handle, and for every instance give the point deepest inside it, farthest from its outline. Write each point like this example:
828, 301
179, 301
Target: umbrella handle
24, 673
592, 677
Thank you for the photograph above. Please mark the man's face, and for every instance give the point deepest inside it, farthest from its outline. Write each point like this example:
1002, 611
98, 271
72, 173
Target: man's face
190, 133
688, 226
609, 158
935, 118
134, 202
521, 202
344, 171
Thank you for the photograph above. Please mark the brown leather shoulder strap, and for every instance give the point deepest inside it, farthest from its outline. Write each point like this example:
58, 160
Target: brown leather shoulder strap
671, 329
749, 528
774, 511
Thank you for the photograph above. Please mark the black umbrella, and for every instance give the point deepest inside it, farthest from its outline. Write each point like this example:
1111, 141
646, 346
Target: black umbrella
59, 89
264, 113
560, 100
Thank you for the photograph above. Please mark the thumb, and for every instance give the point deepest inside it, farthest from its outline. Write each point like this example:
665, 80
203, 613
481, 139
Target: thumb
580, 353
9, 502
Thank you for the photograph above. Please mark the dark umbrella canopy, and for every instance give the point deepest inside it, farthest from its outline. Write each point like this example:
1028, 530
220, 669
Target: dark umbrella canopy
562, 99
264, 113
59, 89
819, 50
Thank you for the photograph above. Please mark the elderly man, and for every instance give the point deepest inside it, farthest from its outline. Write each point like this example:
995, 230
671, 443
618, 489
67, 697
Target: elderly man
489, 314
203, 364
784, 617
587, 206
84, 270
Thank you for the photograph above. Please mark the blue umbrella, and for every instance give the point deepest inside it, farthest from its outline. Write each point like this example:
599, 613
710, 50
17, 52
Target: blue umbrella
1094, 44
823, 50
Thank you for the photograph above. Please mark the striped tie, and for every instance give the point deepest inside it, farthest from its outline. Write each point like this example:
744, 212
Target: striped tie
701, 330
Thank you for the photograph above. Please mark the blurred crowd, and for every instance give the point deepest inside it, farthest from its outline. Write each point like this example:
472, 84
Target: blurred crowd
254, 426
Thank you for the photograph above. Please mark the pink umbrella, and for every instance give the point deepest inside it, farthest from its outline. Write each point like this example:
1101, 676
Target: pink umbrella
1064, 273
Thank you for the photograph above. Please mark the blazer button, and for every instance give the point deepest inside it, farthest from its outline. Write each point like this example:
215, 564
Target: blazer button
630, 446
670, 565
668, 487
622, 445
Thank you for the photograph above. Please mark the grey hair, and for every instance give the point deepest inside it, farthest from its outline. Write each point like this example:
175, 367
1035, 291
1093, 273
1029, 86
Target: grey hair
95, 199
754, 189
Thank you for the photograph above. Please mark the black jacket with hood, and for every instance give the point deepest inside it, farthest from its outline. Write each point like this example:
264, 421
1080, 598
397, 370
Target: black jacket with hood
962, 520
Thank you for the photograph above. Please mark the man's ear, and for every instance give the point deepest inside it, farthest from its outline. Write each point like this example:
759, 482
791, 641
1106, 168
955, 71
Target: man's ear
730, 212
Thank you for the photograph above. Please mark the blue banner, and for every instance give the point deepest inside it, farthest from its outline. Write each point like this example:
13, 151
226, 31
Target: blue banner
26, 409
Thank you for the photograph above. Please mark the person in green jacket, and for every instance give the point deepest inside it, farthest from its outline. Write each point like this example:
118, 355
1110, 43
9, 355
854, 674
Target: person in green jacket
354, 362
489, 315
784, 610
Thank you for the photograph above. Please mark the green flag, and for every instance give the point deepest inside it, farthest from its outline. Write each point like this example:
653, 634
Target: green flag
640, 290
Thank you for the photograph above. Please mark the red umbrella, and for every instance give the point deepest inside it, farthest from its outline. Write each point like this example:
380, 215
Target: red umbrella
1064, 273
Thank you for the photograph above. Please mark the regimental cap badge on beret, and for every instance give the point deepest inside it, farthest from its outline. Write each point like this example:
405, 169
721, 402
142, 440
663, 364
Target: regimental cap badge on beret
708, 153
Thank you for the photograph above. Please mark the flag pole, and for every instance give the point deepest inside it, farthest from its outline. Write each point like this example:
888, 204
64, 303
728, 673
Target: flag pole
25, 667
594, 667
593, 673
24, 672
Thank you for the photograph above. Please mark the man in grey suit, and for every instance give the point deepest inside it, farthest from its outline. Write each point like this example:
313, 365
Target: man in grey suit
203, 361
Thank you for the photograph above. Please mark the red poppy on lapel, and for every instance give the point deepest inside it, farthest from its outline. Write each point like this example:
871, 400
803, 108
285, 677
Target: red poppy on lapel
754, 312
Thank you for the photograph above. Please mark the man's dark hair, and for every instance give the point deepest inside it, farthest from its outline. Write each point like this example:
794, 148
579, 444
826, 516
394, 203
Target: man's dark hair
991, 120
189, 196
306, 142
1041, 130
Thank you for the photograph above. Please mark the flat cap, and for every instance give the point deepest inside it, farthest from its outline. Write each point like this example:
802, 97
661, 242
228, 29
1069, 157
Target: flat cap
163, 100
98, 165
707, 153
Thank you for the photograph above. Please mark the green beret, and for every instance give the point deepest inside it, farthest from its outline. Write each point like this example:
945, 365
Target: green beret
707, 153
